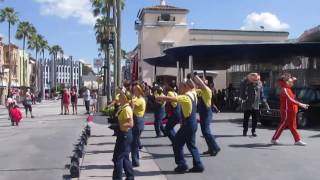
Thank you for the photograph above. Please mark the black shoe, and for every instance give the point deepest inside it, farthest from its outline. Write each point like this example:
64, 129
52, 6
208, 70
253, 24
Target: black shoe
244, 133
211, 153
140, 147
181, 169
254, 134
135, 164
196, 170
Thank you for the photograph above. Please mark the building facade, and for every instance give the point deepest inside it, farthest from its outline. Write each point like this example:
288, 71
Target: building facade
163, 26
62, 72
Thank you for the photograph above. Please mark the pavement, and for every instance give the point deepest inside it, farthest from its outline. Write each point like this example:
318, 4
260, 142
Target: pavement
40, 147
97, 163
250, 158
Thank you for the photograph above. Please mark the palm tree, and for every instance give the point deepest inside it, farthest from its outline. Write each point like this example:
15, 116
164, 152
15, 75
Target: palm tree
103, 8
119, 7
34, 44
24, 31
10, 16
54, 51
43, 47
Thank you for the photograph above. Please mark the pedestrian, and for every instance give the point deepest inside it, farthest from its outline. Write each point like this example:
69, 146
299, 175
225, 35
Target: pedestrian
74, 101
288, 110
28, 104
159, 111
251, 93
139, 108
124, 138
66, 101
187, 132
61, 102
94, 98
87, 98
173, 111
206, 115
15, 114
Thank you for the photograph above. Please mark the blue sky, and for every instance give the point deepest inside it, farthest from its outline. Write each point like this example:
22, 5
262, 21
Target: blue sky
69, 22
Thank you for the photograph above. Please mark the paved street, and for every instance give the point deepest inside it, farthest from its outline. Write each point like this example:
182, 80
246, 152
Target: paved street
244, 157
39, 148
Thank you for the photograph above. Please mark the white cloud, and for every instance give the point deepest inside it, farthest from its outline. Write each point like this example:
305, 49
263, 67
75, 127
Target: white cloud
269, 21
79, 9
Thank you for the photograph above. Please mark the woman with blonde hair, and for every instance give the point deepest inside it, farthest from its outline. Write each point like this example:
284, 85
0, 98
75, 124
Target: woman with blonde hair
139, 108
124, 138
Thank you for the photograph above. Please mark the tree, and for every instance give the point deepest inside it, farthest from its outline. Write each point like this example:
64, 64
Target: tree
86, 70
10, 16
34, 44
54, 51
103, 8
25, 31
43, 47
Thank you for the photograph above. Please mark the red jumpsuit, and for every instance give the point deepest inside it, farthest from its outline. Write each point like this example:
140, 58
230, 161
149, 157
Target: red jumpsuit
288, 112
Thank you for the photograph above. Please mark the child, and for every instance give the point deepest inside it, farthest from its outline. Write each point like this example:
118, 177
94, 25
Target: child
15, 114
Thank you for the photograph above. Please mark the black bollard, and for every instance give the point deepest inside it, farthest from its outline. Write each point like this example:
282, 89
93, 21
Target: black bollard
79, 150
84, 139
74, 170
88, 131
75, 158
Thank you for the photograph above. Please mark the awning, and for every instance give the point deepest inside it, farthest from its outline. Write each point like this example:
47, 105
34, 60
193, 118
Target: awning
220, 57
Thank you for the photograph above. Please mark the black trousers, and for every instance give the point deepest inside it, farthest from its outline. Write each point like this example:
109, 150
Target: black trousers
87, 104
255, 118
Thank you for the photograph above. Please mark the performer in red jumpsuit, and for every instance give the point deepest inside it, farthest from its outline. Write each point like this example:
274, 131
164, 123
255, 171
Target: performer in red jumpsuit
288, 110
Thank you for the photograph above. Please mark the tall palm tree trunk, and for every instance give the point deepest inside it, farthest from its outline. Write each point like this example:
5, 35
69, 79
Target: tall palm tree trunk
10, 64
119, 42
43, 77
115, 45
23, 63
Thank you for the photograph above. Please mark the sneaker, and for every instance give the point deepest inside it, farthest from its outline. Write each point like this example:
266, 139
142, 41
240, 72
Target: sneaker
196, 170
181, 169
211, 153
275, 142
32, 116
300, 143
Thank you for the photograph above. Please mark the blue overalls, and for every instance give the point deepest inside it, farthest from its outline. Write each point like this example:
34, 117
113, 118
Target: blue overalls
187, 135
159, 114
173, 120
136, 131
205, 120
121, 156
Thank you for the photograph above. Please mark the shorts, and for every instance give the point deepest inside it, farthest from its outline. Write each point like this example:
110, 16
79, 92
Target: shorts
93, 101
28, 107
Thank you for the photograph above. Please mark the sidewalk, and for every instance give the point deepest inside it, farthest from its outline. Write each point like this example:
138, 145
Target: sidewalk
97, 163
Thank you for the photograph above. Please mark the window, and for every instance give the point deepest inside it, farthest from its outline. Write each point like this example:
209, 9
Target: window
164, 46
57, 69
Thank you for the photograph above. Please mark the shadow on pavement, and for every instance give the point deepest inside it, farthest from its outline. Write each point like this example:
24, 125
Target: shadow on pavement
153, 173
90, 167
315, 136
30, 169
157, 145
98, 152
102, 144
227, 136
253, 146
93, 136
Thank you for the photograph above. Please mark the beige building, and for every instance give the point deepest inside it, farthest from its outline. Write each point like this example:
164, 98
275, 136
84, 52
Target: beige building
163, 26
23, 77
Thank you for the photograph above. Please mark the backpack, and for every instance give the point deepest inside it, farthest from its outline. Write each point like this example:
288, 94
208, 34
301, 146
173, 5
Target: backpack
16, 114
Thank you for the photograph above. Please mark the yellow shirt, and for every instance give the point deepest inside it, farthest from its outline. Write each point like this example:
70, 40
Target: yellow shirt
156, 94
125, 113
173, 94
206, 95
139, 107
186, 103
